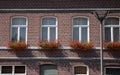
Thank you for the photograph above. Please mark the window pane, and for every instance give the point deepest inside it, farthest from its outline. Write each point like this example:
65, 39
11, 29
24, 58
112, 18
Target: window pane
80, 21
14, 34
113, 71
52, 33
112, 21
49, 21
45, 21
48, 70
107, 34
6, 69
52, 21
75, 33
19, 69
19, 21
84, 35
44, 33
22, 34
116, 34
80, 70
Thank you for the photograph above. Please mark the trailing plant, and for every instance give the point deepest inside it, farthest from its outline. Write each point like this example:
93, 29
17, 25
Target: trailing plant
112, 45
80, 45
48, 44
17, 45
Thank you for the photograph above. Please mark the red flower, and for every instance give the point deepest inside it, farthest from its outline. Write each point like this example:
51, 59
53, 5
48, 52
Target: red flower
80, 45
48, 44
17, 45
112, 45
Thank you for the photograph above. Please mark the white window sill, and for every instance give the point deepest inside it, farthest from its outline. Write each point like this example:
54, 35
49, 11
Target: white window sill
64, 47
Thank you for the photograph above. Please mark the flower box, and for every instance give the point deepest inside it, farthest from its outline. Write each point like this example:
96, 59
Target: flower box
48, 44
17, 45
112, 45
80, 45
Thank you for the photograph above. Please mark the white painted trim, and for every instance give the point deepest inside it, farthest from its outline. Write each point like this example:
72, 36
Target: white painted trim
81, 26
109, 67
19, 26
60, 9
48, 27
57, 58
13, 70
48, 58
35, 47
111, 27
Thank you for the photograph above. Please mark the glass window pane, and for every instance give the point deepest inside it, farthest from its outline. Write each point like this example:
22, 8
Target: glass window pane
113, 71
22, 34
75, 33
116, 34
19, 21
107, 34
48, 70
14, 34
44, 33
80, 70
80, 21
112, 21
84, 35
52, 33
19, 69
45, 21
6, 69
49, 21
52, 21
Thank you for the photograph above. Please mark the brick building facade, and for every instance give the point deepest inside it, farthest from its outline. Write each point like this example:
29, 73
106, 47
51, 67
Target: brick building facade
26, 20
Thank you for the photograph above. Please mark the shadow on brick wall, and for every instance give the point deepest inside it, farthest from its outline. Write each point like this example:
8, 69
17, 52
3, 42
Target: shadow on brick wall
22, 53
112, 53
53, 52
88, 53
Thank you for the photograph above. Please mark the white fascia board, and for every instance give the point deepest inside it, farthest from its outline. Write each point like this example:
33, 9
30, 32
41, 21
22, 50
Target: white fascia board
60, 9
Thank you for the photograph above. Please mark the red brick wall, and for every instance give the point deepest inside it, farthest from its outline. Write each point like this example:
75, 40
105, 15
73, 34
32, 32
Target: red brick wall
63, 67
64, 27
64, 36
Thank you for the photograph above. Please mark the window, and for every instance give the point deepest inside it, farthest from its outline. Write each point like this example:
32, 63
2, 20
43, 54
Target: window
18, 28
112, 29
80, 29
80, 70
48, 70
49, 28
12, 70
112, 71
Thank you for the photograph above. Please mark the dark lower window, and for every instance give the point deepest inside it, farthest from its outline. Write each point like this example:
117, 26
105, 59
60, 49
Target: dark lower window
6, 69
112, 71
48, 70
19, 69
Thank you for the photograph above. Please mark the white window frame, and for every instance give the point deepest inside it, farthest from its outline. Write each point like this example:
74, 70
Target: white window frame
19, 26
13, 70
81, 65
109, 67
49, 26
80, 27
111, 28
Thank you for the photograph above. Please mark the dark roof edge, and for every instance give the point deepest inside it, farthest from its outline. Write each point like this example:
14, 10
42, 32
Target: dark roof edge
60, 9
